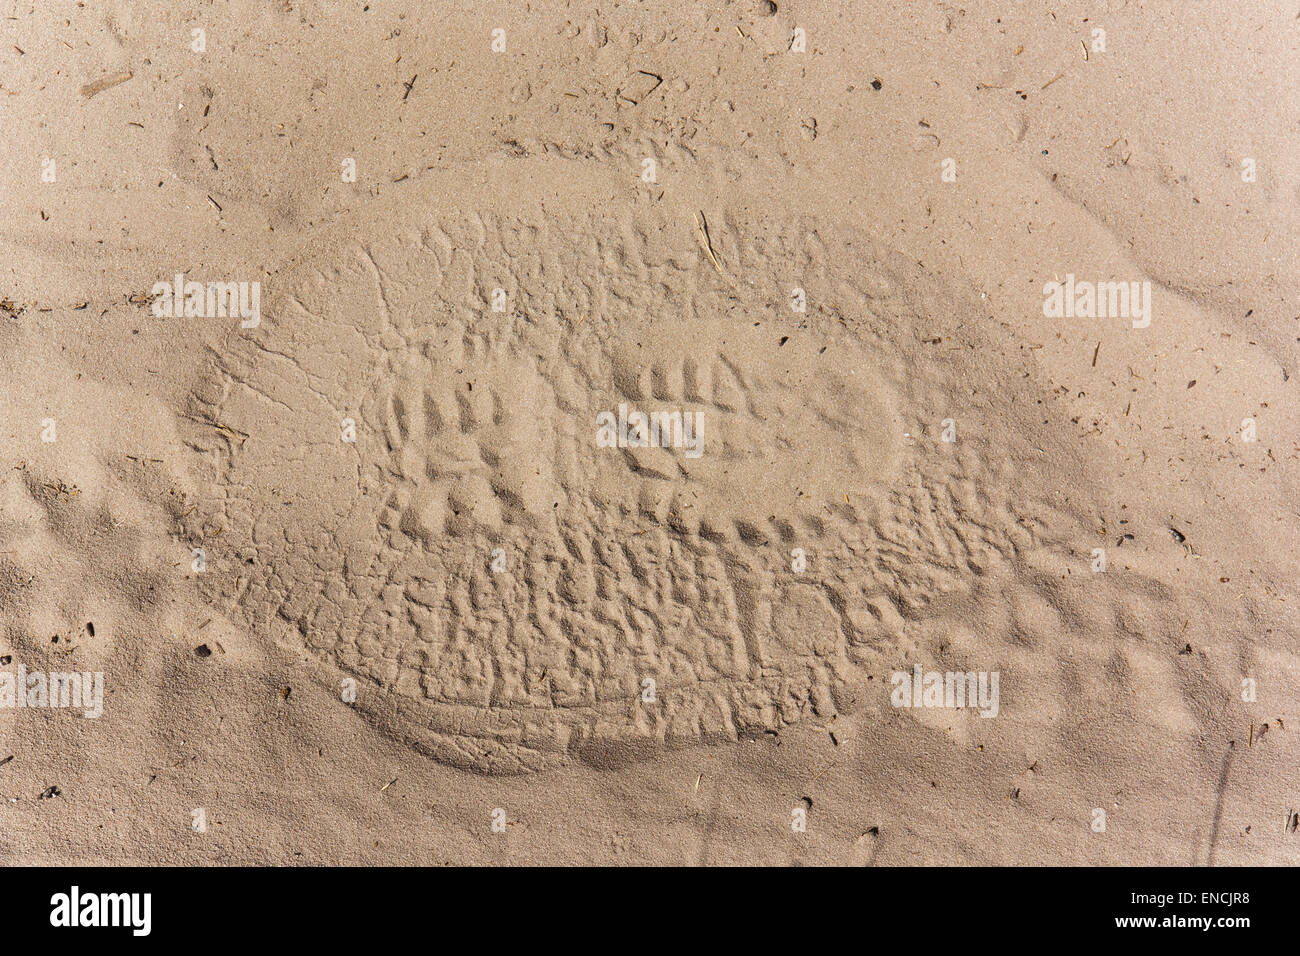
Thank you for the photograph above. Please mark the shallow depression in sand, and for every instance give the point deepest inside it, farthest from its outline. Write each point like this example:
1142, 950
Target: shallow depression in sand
476, 444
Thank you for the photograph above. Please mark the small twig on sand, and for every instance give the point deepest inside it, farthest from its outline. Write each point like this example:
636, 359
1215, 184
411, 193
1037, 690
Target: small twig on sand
659, 81
702, 226
104, 83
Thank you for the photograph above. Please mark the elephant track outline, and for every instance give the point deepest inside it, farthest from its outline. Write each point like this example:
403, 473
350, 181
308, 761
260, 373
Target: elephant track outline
628, 574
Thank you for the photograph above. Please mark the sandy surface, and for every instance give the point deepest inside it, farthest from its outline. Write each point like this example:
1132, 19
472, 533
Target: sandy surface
358, 570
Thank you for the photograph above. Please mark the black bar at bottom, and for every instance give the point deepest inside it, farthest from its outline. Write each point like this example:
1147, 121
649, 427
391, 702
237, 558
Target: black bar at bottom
336, 907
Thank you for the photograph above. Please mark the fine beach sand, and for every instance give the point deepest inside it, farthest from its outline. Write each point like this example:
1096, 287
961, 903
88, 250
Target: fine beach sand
359, 575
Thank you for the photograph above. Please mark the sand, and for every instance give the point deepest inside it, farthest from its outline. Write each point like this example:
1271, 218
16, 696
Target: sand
376, 570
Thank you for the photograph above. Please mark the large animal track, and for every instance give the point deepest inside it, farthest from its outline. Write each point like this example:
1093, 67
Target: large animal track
476, 432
